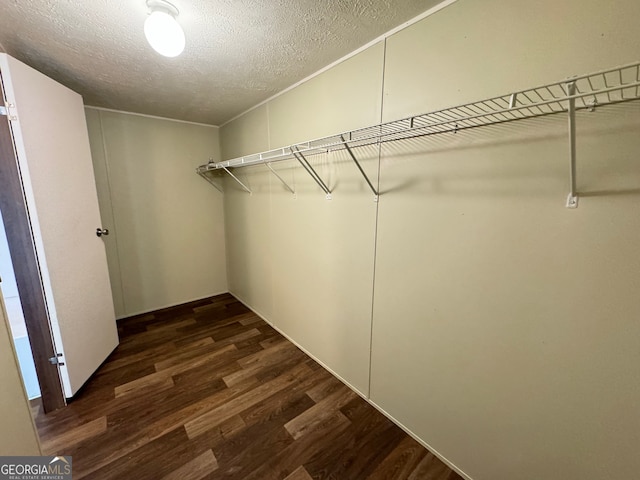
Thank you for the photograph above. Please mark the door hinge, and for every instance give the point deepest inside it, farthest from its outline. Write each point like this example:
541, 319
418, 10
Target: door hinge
9, 111
56, 360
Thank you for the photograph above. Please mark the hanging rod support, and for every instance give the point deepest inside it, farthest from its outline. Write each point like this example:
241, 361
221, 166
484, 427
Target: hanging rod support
355, 160
280, 178
572, 199
303, 161
204, 175
237, 180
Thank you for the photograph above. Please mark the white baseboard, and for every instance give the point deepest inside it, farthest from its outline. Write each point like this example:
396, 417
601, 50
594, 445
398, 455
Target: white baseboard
407, 430
162, 307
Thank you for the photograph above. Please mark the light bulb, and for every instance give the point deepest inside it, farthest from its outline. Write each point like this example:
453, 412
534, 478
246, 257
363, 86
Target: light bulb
164, 33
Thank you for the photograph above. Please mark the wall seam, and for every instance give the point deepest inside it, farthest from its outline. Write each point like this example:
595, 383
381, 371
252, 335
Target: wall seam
271, 218
375, 234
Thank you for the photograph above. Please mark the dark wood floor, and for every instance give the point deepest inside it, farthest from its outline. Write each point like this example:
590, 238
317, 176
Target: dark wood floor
209, 390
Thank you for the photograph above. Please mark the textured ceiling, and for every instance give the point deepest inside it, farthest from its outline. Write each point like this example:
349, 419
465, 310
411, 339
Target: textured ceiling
238, 53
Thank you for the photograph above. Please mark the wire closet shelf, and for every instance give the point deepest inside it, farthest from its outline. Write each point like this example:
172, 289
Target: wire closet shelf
605, 87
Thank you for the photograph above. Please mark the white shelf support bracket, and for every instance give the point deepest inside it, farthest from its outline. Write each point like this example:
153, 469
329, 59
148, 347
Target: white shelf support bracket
303, 161
355, 160
203, 174
238, 180
572, 199
280, 178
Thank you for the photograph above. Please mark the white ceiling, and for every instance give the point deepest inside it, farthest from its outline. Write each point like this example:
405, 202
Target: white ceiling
238, 53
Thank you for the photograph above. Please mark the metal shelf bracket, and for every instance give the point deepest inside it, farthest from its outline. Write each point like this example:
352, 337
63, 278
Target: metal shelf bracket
355, 160
203, 174
307, 166
280, 178
572, 199
238, 180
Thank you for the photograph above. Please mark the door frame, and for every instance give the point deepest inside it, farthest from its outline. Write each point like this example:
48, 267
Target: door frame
27, 270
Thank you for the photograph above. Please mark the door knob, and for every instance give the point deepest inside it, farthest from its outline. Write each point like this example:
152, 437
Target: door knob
102, 231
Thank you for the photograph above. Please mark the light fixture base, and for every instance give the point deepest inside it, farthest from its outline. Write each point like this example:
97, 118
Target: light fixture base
168, 7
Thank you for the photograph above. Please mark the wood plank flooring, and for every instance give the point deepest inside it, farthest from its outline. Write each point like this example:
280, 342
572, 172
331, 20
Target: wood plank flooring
208, 390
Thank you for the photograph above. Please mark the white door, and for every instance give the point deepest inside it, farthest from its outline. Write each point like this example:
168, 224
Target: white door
52, 145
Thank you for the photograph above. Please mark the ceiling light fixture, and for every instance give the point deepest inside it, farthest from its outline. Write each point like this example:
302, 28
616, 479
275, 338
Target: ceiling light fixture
162, 30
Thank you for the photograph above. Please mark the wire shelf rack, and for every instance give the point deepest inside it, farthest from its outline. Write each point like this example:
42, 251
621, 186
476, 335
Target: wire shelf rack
605, 87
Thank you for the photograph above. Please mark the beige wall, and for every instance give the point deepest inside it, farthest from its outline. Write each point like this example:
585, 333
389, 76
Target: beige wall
246, 134
167, 230
504, 328
17, 431
306, 257
508, 322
